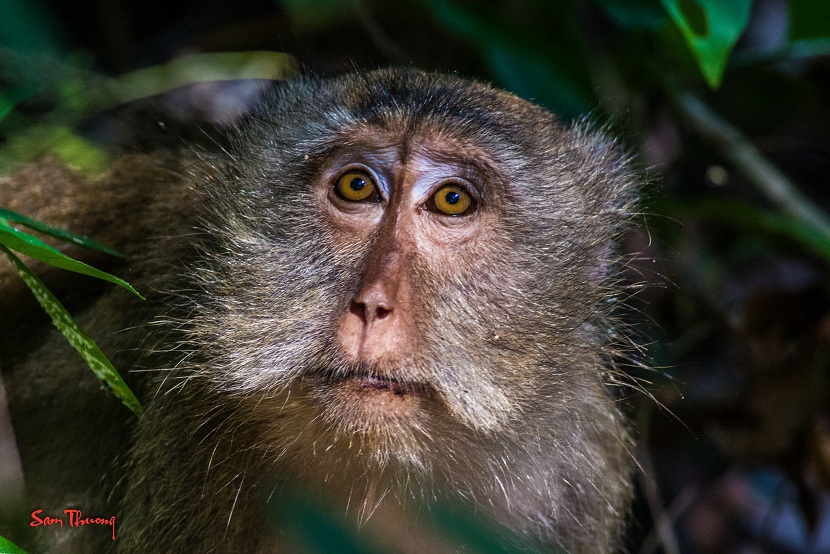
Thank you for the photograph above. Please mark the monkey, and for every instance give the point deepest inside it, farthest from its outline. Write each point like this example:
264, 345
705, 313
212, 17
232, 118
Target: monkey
387, 287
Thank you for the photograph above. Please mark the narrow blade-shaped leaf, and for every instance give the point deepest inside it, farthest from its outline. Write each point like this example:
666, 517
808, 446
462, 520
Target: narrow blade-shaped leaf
35, 248
58, 233
8, 547
80, 341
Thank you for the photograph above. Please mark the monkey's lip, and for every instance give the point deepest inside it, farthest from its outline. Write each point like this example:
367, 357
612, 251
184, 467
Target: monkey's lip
372, 382
382, 384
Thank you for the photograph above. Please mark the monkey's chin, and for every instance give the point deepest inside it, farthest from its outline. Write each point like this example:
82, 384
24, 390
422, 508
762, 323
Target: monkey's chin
381, 420
380, 414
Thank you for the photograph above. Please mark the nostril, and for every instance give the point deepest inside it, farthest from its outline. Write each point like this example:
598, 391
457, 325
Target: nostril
358, 309
368, 311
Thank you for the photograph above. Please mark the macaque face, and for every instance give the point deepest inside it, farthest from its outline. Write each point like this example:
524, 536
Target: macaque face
386, 288
405, 276
398, 290
406, 206
408, 231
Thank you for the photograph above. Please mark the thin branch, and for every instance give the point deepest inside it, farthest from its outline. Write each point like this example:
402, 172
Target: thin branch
772, 183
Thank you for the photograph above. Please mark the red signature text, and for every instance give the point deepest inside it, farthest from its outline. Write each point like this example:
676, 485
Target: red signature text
75, 519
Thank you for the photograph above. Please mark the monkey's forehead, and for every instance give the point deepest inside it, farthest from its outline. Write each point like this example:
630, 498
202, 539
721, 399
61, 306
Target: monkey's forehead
459, 120
410, 102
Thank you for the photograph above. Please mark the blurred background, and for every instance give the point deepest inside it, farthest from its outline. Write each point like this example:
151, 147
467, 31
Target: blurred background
724, 107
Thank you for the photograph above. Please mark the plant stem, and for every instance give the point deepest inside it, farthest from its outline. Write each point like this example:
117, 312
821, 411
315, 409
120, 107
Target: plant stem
772, 183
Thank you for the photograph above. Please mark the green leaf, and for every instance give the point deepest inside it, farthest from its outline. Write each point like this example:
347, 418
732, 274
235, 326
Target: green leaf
7, 104
11, 98
528, 75
58, 140
8, 547
526, 61
57, 233
795, 50
478, 533
635, 14
711, 28
35, 248
27, 27
455, 522
321, 531
80, 341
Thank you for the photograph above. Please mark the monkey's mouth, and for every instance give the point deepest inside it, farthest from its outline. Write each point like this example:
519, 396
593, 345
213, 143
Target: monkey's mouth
373, 401
366, 398
369, 379
379, 383
371, 382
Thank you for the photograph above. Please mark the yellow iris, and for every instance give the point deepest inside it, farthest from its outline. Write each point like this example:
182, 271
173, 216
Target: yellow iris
356, 186
452, 200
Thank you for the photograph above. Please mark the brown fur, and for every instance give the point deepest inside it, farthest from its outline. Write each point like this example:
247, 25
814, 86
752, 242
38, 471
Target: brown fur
502, 374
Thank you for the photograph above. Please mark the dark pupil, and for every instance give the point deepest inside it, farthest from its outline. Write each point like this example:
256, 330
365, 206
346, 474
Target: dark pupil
357, 183
452, 197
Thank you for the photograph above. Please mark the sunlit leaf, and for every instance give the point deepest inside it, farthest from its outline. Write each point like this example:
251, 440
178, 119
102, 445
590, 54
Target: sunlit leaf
8, 547
56, 140
35, 248
711, 28
76, 336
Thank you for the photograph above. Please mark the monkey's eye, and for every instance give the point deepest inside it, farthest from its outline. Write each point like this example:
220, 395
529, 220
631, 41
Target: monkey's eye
356, 186
451, 200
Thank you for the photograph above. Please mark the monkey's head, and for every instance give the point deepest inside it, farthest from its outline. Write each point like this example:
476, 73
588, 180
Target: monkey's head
406, 274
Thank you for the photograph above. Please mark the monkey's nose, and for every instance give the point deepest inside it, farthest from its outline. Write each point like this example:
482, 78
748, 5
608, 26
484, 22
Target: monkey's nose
370, 312
371, 330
